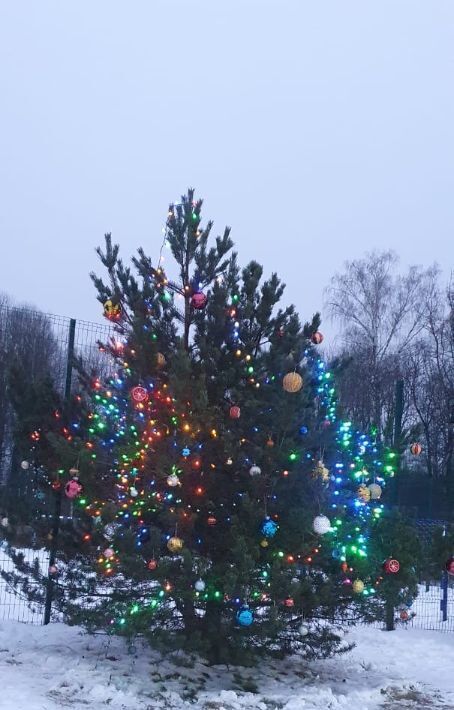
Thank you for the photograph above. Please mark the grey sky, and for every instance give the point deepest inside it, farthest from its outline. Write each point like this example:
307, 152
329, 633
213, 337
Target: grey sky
317, 130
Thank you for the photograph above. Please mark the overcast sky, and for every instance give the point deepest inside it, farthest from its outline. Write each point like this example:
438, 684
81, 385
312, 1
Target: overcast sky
316, 130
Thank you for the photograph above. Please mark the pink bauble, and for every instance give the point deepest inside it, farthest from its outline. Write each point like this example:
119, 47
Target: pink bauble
53, 570
109, 553
199, 301
73, 489
235, 412
139, 394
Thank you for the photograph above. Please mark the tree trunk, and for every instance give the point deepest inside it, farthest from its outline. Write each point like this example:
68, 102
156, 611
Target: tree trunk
213, 631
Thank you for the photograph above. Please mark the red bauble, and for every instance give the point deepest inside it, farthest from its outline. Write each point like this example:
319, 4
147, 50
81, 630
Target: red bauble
198, 301
289, 602
416, 449
317, 337
450, 566
235, 412
404, 615
391, 566
139, 394
211, 520
73, 489
56, 485
152, 565
344, 566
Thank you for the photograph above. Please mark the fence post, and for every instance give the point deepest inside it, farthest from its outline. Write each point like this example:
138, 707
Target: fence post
393, 498
444, 596
58, 493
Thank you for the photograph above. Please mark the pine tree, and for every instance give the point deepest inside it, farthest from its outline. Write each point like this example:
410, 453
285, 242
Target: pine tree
202, 459
197, 464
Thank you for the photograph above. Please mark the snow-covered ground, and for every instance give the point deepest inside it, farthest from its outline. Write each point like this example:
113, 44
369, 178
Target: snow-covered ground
45, 668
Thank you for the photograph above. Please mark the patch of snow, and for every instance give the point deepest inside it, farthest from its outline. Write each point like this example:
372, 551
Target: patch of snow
45, 668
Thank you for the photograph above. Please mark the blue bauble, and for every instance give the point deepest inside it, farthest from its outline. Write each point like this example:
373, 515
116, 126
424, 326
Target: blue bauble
303, 430
186, 452
245, 616
269, 528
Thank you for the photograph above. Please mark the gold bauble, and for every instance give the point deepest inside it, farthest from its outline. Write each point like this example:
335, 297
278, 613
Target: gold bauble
358, 586
364, 493
175, 544
292, 382
264, 543
321, 471
160, 360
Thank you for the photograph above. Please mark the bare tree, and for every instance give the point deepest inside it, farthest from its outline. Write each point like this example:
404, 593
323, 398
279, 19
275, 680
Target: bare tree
382, 313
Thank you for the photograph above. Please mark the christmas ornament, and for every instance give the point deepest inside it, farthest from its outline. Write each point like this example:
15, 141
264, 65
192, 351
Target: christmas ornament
133, 492
199, 585
449, 566
139, 394
317, 337
255, 470
292, 382
344, 566
109, 553
229, 461
289, 602
264, 543
25, 465
211, 520
4, 522
74, 472
112, 310
358, 586
185, 452
375, 491
404, 615
152, 564
235, 412
109, 530
270, 442
199, 301
364, 493
55, 485
53, 570
321, 525
303, 629
391, 566
72, 489
160, 360
175, 544
416, 449
303, 430
245, 616
321, 471
173, 480
269, 528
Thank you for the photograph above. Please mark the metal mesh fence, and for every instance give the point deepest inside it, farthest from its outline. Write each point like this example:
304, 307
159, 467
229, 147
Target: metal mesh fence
38, 345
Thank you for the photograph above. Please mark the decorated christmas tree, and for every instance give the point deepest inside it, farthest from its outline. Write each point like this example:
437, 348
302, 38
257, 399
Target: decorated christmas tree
217, 502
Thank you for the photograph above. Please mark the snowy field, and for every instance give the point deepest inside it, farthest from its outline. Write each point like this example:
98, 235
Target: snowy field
45, 668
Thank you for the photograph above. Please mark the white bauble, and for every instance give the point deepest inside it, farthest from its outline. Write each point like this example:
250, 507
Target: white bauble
110, 530
303, 629
173, 480
4, 522
133, 492
321, 525
375, 491
25, 465
199, 585
255, 470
